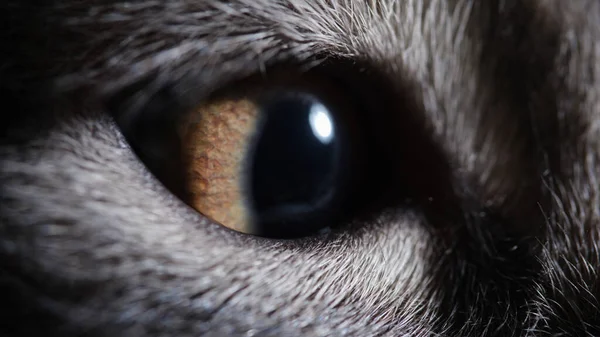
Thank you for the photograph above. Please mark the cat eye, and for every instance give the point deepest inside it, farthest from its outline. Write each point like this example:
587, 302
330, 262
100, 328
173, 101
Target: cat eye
277, 161
281, 157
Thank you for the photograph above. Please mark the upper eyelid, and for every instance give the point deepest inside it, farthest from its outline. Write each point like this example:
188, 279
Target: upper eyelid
128, 99
180, 63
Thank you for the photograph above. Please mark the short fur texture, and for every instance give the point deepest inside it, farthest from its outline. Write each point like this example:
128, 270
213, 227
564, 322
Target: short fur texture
507, 92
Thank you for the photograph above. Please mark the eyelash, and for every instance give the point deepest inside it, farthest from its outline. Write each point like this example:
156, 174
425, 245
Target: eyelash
396, 171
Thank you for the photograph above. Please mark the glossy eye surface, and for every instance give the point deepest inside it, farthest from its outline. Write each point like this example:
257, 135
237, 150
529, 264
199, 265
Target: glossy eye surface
281, 161
280, 156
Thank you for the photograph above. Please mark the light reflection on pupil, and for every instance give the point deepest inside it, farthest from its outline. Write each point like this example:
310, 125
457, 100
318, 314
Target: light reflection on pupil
321, 123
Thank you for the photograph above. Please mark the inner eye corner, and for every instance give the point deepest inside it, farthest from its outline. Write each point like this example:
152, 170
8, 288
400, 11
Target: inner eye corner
284, 156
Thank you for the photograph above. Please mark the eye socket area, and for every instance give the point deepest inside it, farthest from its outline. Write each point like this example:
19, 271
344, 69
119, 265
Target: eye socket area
380, 157
280, 158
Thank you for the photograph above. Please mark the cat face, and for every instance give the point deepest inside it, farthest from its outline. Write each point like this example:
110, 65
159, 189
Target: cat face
487, 115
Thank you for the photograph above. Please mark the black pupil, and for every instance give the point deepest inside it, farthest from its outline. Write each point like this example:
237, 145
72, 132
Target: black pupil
294, 166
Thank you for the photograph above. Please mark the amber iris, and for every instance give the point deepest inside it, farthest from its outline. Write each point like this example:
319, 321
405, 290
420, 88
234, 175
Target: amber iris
215, 143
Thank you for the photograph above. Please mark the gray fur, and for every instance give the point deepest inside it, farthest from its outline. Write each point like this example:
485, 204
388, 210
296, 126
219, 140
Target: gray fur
92, 244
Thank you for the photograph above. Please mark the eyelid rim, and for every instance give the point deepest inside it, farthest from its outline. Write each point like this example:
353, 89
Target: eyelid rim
124, 100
